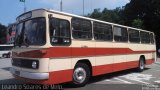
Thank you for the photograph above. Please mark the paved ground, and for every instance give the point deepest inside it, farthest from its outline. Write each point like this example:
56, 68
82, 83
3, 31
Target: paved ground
123, 80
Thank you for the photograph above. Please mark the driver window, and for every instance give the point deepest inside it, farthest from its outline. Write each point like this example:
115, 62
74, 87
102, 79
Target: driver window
59, 32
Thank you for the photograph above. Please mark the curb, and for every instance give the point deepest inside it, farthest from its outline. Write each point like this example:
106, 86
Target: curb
157, 63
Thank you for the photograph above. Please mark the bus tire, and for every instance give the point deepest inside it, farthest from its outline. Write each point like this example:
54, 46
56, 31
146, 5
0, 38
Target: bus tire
141, 65
81, 75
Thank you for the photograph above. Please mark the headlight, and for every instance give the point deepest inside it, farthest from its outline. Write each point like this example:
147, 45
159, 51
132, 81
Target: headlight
34, 64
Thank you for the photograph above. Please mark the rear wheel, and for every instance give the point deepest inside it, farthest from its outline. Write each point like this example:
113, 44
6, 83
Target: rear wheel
141, 65
81, 74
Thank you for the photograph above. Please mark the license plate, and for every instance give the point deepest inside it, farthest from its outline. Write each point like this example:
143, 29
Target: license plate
17, 73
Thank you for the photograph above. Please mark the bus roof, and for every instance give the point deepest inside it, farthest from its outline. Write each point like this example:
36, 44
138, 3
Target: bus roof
87, 18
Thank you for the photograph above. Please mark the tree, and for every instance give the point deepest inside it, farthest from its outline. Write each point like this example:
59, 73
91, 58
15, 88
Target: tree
137, 23
114, 16
95, 14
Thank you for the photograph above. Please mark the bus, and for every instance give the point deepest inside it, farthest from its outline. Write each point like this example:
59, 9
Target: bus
5, 50
53, 47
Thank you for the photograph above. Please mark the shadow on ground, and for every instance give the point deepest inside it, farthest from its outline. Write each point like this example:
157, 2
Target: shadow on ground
6, 68
11, 81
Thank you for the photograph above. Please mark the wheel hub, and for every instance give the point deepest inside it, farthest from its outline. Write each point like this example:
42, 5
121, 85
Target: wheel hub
79, 75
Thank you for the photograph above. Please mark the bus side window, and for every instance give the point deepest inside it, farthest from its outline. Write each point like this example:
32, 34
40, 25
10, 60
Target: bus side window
120, 34
102, 31
59, 32
152, 38
134, 36
81, 29
145, 37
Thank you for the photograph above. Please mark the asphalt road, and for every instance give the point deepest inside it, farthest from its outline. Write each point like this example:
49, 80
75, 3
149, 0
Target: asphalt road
124, 80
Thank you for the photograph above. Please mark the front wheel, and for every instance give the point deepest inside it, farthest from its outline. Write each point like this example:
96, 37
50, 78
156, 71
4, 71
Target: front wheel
81, 74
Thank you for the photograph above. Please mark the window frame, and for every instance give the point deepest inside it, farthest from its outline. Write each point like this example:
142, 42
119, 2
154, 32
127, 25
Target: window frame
138, 35
56, 36
127, 37
23, 27
153, 38
91, 27
111, 29
143, 40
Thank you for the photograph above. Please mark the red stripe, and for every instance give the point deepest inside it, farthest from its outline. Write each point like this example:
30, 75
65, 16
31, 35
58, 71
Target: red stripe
57, 52
58, 77
103, 69
150, 61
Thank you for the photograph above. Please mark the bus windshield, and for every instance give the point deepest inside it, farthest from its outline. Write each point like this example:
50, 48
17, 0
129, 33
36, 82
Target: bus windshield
31, 32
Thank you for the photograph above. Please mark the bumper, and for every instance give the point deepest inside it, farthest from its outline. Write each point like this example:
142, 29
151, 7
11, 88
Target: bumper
30, 75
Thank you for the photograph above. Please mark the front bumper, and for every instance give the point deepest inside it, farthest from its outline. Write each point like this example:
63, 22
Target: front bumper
30, 75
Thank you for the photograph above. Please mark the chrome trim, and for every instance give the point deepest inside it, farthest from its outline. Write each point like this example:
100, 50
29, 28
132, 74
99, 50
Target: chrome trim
30, 75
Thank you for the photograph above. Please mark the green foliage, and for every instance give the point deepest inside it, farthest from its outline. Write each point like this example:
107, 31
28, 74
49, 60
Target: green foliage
96, 14
108, 15
137, 23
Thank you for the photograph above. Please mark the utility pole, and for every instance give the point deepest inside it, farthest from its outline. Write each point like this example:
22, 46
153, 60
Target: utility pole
24, 4
61, 5
25, 9
83, 7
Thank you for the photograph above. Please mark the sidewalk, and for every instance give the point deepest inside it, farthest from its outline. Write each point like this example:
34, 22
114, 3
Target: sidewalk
158, 61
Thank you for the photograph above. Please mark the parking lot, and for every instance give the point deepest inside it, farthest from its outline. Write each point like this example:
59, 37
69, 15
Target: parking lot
129, 79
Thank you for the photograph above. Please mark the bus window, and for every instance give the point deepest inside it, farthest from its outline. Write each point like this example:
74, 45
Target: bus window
144, 37
81, 29
59, 32
102, 31
34, 32
134, 36
120, 34
152, 38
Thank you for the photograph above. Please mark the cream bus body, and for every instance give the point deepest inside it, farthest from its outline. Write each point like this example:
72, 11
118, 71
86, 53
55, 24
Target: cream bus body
51, 63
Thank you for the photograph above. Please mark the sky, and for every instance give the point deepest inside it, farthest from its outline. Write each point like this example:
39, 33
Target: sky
10, 9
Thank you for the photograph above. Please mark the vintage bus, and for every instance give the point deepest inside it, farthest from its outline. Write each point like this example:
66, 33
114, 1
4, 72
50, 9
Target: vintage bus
53, 47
